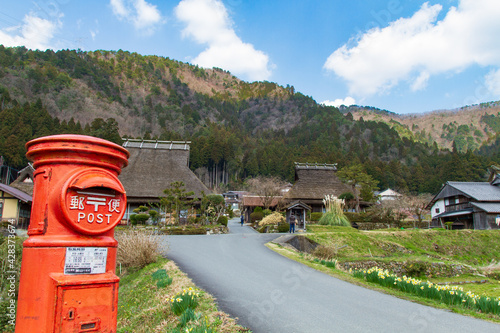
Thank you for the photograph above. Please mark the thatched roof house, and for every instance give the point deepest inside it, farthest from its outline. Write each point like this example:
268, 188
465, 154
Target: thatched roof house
153, 166
313, 182
24, 181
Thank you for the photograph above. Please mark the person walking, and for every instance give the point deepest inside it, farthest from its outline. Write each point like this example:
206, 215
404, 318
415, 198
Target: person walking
292, 224
242, 219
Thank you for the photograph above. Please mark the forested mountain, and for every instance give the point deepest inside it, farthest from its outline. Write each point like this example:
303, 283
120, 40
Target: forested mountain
468, 127
238, 129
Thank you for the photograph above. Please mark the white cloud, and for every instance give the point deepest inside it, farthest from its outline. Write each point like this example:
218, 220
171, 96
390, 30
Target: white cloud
144, 16
119, 8
492, 81
338, 102
420, 82
33, 33
208, 22
416, 48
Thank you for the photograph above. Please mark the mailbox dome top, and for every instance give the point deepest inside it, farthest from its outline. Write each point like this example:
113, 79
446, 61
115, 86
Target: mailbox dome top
77, 149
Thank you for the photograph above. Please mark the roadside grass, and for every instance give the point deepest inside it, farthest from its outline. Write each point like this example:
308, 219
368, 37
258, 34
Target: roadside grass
143, 306
471, 247
478, 250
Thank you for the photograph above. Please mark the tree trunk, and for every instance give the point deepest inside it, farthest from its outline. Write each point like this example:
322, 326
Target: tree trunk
357, 197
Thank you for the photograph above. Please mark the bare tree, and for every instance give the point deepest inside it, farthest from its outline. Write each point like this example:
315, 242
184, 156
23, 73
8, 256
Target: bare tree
396, 207
267, 188
416, 204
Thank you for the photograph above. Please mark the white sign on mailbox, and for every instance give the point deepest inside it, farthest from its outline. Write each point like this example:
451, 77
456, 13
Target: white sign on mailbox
85, 260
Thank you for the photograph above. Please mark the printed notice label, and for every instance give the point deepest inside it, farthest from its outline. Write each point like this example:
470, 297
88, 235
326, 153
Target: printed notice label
85, 260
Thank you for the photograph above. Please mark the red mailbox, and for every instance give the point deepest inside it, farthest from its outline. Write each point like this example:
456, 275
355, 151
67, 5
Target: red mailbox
68, 281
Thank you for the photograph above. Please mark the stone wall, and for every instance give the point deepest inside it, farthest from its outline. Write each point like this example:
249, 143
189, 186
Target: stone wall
406, 225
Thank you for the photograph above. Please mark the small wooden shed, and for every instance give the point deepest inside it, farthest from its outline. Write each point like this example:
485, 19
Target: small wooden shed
299, 210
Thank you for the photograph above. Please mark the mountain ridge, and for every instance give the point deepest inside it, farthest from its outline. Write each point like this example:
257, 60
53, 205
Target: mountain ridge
469, 127
238, 129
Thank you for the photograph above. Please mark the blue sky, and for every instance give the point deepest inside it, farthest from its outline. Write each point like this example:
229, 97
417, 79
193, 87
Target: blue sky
406, 56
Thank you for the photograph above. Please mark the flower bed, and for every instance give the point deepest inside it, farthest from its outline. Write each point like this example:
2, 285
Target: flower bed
416, 268
450, 295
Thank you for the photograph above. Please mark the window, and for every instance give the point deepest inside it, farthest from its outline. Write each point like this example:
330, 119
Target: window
1, 209
437, 210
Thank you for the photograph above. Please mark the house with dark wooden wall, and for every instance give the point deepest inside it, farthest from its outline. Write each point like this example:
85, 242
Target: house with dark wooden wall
153, 166
467, 205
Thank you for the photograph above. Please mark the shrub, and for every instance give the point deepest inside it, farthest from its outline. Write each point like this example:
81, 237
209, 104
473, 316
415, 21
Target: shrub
283, 227
347, 196
324, 252
154, 216
331, 264
256, 216
267, 212
141, 218
222, 220
136, 248
258, 210
316, 216
356, 217
415, 268
273, 219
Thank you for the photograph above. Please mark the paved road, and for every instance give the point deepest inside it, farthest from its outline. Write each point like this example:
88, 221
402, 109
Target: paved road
271, 294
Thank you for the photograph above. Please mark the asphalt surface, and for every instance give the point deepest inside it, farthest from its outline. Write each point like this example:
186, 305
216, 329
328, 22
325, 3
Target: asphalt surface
270, 293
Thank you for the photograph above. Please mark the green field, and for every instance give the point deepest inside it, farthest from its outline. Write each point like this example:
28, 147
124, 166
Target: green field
465, 258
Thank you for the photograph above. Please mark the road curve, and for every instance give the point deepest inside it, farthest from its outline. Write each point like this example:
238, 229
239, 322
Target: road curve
270, 293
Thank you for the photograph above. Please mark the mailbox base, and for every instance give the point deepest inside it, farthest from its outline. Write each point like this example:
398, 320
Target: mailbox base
71, 302
82, 305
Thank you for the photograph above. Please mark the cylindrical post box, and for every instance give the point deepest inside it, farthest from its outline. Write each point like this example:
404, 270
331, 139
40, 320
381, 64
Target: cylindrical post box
68, 281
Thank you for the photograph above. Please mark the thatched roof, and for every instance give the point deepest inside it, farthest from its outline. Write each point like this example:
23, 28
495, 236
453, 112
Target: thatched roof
24, 180
153, 166
314, 181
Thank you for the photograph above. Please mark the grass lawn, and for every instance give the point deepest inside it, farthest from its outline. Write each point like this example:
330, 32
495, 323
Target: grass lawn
477, 251
143, 306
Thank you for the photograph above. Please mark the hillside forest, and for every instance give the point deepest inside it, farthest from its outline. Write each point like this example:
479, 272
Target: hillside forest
238, 129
